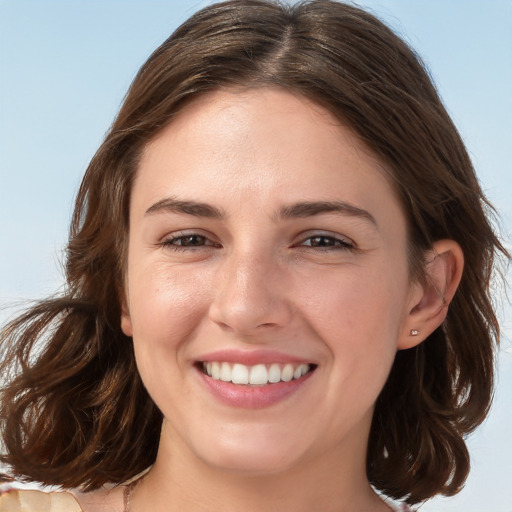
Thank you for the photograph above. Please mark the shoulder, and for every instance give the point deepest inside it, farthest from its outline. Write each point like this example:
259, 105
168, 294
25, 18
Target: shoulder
16, 500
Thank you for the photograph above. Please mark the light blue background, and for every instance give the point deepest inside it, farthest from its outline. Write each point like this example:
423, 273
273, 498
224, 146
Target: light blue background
65, 66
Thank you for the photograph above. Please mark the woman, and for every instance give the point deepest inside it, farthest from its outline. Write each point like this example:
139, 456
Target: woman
278, 282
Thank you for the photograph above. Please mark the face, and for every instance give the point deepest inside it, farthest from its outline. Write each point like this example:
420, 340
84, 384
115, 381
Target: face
267, 283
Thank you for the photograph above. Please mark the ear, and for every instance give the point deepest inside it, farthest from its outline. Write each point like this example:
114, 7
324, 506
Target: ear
126, 320
429, 300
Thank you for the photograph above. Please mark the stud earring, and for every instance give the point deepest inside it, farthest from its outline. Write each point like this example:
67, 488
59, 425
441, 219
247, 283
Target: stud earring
414, 332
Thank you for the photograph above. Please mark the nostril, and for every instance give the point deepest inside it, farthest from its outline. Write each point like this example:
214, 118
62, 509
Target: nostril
246, 315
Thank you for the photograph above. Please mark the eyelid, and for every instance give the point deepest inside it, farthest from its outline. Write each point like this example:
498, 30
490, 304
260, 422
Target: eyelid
167, 240
340, 241
344, 241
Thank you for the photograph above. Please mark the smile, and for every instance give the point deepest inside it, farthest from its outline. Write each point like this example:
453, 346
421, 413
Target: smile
256, 375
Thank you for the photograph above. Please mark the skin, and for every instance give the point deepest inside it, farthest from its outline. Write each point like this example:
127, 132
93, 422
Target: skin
254, 280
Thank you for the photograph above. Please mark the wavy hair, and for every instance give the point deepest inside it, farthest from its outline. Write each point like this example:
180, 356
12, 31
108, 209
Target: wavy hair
74, 411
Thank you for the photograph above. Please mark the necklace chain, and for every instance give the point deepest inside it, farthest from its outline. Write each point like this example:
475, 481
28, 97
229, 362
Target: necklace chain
127, 494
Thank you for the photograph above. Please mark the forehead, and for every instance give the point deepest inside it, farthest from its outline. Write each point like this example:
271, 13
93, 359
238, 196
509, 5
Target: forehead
260, 145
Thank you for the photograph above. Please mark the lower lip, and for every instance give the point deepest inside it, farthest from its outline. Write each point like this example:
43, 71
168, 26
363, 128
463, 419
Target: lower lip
253, 397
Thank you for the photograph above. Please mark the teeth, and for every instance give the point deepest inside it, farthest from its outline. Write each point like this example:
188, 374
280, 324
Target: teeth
225, 372
257, 375
239, 374
274, 373
287, 373
216, 371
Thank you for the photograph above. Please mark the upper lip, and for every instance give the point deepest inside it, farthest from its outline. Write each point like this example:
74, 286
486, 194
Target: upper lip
252, 357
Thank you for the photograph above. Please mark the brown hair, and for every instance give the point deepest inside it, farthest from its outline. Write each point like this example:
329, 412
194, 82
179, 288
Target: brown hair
75, 412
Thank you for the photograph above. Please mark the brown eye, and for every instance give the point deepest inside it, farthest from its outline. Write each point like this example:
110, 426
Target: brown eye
322, 241
330, 242
189, 241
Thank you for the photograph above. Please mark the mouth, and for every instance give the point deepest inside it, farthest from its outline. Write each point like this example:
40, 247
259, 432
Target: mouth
255, 375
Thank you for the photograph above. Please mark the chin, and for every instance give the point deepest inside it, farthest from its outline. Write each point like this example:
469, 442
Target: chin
250, 454
251, 462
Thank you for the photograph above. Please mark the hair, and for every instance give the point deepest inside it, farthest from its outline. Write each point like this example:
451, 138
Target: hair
75, 412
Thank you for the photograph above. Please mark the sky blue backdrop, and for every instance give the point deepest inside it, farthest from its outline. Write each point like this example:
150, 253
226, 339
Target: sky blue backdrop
65, 66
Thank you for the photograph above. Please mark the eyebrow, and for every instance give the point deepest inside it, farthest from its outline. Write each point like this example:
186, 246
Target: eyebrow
312, 208
296, 210
172, 205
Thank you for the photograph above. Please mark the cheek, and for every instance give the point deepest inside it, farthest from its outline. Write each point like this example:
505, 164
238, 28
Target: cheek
166, 307
358, 315
165, 300
356, 301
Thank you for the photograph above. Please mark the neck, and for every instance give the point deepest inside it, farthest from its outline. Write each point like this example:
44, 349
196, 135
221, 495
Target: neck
179, 480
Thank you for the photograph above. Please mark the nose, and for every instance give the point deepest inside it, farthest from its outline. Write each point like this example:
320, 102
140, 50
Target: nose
252, 294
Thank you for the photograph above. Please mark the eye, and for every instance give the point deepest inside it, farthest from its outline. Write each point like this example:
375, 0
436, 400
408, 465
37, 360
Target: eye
188, 241
327, 242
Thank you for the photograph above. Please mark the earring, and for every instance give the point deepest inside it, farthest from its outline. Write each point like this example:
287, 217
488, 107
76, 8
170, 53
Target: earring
414, 332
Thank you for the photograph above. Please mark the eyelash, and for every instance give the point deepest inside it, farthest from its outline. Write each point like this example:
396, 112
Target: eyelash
171, 242
336, 243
